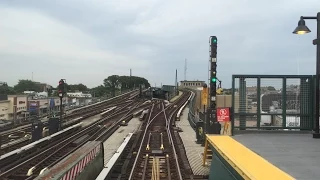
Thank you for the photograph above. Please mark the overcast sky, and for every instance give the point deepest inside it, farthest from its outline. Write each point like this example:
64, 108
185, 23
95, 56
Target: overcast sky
85, 41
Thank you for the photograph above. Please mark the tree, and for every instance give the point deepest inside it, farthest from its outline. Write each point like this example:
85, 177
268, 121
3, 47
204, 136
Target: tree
81, 87
113, 83
26, 85
129, 82
99, 91
5, 89
271, 88
49, 90
125, 82
77, 87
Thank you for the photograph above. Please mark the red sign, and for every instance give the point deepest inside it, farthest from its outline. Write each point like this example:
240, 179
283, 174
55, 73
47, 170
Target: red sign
223, 114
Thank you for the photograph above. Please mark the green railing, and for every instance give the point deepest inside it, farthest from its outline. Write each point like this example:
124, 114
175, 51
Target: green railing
272, 102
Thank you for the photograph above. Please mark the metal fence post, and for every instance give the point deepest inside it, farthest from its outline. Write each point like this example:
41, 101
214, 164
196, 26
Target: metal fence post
284, 102
233, 104
258, 102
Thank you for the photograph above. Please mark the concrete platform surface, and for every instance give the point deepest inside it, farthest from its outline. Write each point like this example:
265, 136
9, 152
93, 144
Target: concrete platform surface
90, 120
194, 151
176, 97
296, 154
116, 139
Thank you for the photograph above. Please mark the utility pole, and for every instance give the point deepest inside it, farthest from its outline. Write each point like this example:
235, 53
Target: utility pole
130, 79
176, 83
15, 104
185, 69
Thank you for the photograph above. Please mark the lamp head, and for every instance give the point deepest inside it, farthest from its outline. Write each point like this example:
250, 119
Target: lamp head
301, 28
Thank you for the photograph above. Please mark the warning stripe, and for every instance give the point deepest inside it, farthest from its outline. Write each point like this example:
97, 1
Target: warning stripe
77, 168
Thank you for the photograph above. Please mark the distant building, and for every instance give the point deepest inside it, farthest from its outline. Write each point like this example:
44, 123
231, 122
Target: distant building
191, 84
44, 87
79, 94
4, 109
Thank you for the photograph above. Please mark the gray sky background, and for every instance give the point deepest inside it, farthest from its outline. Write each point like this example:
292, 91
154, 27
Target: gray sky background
88, 40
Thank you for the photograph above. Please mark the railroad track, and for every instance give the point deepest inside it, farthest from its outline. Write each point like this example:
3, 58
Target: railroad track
47, 157
156, 155
76, 112
12, 140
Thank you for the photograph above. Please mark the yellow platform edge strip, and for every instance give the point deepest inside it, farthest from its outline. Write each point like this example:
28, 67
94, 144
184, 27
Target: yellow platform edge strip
217, 141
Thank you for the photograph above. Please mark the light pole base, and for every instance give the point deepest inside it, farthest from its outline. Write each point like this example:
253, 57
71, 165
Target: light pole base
316, 135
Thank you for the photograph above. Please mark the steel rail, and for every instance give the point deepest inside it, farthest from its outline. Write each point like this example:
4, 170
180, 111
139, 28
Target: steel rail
74, 136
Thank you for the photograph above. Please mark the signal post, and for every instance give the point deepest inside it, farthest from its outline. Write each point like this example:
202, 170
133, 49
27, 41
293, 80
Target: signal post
61, 92
212, 126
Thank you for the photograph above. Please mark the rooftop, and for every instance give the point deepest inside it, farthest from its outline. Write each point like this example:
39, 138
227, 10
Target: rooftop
18, 95
192, 81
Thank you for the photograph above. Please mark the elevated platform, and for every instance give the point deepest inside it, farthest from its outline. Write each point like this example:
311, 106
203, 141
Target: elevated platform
116, 139
296, 153
75, 163
176, 97
232, 160
193, 150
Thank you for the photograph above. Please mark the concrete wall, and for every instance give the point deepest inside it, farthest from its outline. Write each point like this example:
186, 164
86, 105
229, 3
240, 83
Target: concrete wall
93, 169
44, 103
90, 155
222, 101
21, 103
4, 109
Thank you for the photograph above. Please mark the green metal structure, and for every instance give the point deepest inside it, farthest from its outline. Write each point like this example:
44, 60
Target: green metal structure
221, 169
272, 102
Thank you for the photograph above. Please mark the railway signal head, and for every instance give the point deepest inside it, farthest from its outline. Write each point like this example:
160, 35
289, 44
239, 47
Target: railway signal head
214, 40
61, 88
213, 45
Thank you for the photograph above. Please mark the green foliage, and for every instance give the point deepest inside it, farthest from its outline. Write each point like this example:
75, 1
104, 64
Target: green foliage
112, 82
124, 83
75, 87
5, 89
99, 91
271, 88
115, 82
26, 85
111, 85
49, 92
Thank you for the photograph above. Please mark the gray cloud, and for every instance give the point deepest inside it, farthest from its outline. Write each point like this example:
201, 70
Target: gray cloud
86, 41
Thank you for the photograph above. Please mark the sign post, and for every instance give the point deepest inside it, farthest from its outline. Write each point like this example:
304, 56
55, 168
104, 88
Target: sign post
223, 116
204, 97
204, 101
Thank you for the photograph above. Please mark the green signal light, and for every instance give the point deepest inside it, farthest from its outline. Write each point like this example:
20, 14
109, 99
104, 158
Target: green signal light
214, 80
214, 40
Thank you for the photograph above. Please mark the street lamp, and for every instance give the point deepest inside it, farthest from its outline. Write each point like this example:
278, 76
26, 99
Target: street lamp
303, 29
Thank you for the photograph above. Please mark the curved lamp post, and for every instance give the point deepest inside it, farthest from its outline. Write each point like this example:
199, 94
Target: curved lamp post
303, 29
